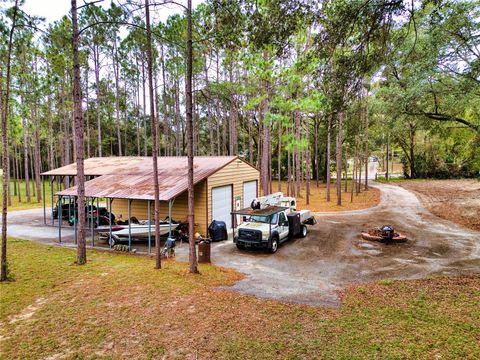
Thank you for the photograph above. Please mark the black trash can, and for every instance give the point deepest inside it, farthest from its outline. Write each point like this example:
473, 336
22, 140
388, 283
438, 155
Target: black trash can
217, 230
204, 251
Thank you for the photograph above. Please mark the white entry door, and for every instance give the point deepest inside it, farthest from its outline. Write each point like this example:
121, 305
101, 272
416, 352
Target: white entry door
222, 204
249, 192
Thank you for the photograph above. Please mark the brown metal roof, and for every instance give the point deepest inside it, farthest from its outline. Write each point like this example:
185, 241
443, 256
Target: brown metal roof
136, 182
106, 165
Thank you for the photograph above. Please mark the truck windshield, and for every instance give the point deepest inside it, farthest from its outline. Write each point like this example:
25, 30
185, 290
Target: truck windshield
264, 219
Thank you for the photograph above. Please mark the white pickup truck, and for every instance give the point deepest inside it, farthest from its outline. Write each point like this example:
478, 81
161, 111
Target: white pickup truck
267, 228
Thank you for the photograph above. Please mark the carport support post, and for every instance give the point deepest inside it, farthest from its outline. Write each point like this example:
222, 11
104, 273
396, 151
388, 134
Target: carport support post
44, 204
51, 196
170, 218
149, 227
75, 220
110, 222
91, 222
69, 207
60, 218
129, 225
98, 213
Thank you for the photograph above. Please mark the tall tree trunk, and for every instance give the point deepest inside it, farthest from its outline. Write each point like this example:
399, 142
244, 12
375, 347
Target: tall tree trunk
31, 156
359, 170
96, 54
218, 114
25, 158
354, 170
265, 139
367, 155
189, 110
307, 166
298, 166
79, 127
339, 158
166, 121
145, 149
66, 137
50, 131
6, 108
194, 119
157, 116
233, 120
125, 119
86, 114
279, 157
14, 161
316, 152
17, 170
177, 119
156, 186
289, 173
209, 111
345, 171
388, 151
327, 162
138, 116
38, 161
413, 170
117, 96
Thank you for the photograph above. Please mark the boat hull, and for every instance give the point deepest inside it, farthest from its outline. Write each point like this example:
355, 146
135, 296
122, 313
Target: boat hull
142, 231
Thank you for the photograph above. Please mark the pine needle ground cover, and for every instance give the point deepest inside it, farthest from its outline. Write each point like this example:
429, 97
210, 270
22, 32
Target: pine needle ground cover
117, 306
318, 196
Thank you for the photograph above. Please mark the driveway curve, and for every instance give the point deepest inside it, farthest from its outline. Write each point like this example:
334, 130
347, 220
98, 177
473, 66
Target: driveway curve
333, 255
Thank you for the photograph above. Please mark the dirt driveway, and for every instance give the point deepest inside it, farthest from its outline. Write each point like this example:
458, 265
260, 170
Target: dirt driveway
313, 269
454, 200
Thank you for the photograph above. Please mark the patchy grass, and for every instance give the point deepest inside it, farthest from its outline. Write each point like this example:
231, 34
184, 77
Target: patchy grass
117, 306
23, 204
318, 196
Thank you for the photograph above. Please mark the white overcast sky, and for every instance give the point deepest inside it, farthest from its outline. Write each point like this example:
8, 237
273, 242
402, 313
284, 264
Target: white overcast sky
53, 10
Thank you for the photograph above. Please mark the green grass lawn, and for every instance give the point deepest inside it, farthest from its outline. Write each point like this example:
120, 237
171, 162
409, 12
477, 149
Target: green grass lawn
34, 202
117, 306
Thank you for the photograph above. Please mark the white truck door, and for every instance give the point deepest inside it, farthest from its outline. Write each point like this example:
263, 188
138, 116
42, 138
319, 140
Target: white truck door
282, 229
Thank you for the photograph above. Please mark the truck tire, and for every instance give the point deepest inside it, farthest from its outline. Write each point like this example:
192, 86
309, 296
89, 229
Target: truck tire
274, 245
240, 247
303, 231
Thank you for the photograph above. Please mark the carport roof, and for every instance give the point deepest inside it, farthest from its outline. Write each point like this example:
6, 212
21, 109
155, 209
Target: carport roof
136, 181
97, 166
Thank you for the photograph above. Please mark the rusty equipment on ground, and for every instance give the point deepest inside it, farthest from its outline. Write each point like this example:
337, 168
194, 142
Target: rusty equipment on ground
204, 250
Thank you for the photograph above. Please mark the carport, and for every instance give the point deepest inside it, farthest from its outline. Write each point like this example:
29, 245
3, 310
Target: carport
126, 185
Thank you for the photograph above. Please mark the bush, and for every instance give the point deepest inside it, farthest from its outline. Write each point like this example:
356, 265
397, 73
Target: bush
434, 168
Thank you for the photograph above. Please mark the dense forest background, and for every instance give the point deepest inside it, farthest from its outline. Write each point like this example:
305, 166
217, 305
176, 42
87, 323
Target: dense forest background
295, 87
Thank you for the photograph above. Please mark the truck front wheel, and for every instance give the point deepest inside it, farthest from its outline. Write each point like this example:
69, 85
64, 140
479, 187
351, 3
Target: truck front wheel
274, 246
304, 231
